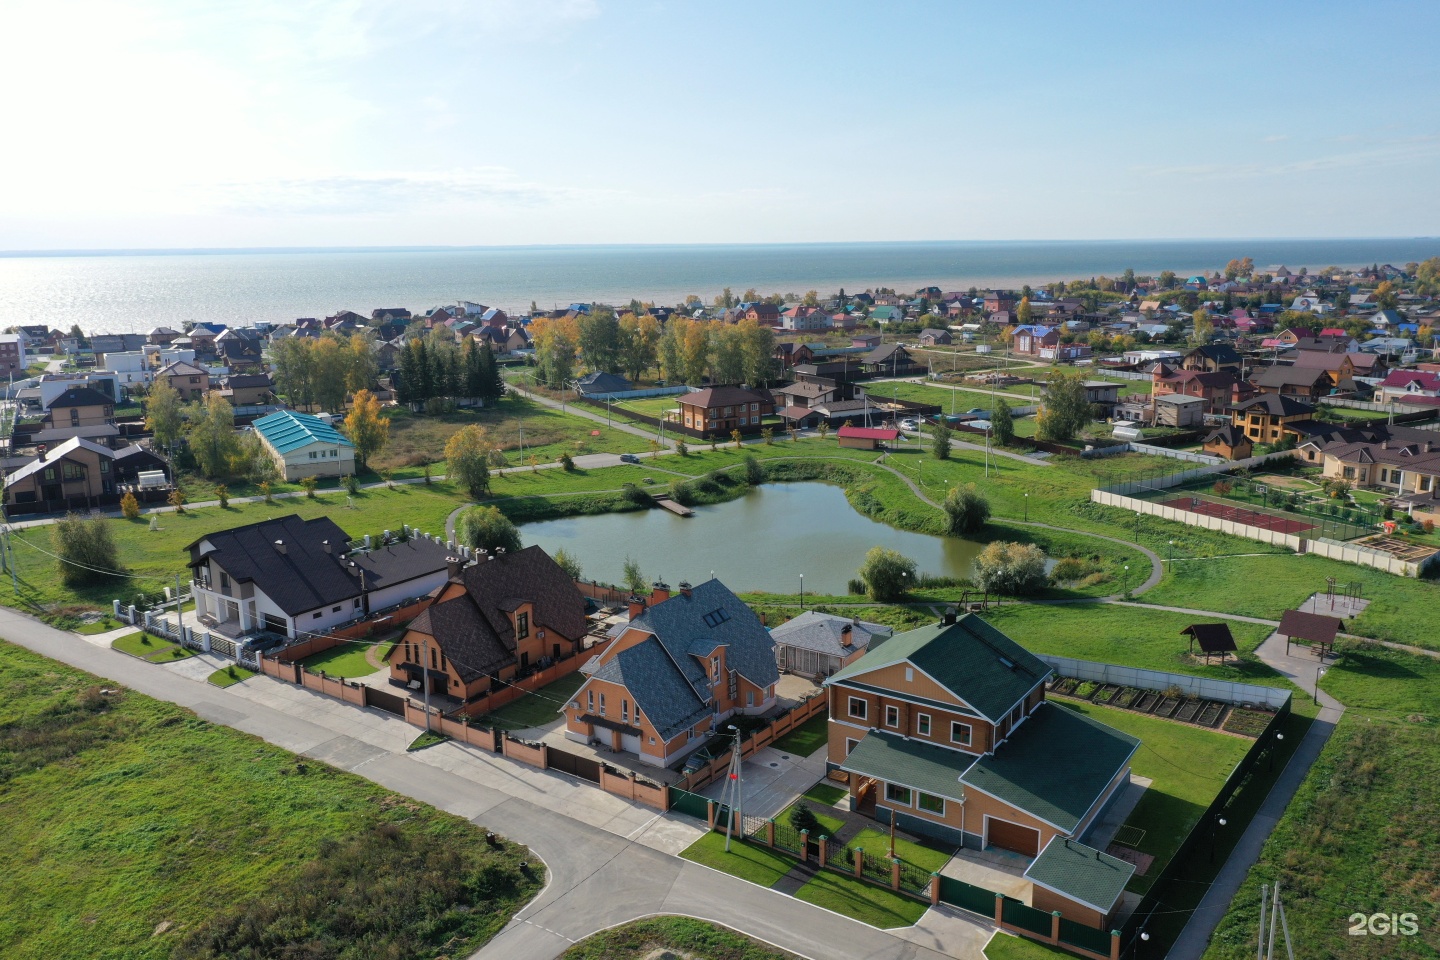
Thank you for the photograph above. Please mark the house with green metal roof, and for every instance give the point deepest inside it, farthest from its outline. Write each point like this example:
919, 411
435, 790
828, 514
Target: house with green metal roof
304, 445
1083, 883
946, 730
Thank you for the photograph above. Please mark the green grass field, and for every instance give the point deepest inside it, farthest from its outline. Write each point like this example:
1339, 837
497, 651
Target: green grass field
1004, 946
806, 738
672, 937
862, 901
229, 676
877, 841
826, 794
829, 823
748, 861
135, 830
1188, 766
536, 709
346, 660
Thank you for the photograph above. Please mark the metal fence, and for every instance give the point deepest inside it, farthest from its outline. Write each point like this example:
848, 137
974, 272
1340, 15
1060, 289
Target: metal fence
690, 804
1019, 915
1227, 691
1086, 938
967, 896
913, 879
875, 867
787, 838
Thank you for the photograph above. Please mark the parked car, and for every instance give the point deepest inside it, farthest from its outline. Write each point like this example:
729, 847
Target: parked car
908, 425
629, 458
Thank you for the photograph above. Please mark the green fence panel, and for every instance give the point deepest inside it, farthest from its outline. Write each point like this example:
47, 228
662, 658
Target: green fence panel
690, 804
966, 896
1019, 915
1089, 938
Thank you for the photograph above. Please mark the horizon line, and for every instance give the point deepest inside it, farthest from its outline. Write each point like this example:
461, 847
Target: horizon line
448, 248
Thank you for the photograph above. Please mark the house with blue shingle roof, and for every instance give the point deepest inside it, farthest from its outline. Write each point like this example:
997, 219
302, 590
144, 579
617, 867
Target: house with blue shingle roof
684, 664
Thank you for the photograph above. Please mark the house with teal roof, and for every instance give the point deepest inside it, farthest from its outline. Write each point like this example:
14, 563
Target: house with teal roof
304, 445
946, 731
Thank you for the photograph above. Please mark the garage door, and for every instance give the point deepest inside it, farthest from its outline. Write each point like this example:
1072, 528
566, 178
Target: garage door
1012, 836
629, 743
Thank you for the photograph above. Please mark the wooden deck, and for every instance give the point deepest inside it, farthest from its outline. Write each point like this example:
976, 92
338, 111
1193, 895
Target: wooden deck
675, 508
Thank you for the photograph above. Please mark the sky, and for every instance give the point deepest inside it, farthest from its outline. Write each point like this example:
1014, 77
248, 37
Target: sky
175, 124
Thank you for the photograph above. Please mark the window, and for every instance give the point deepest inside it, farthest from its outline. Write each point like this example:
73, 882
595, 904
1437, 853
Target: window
50, 473
754, 406
590, 700
522, 626
749, 698
1425, 483
334, 453
639, 719
316, 615
625, 710
224, 580
433, 664
850, 745
312, 455
922, 724
932, 804
960, 733
356, 603
909, 674
897, 794
74, 418
602, 704
715, 668
104, 466
1350, 473
716, 617
892, 715
743, 421
859, 708
335, 609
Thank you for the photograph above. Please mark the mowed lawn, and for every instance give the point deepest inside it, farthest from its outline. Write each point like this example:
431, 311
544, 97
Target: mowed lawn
805, 739
1188, 765
347, 660
134, 830
538, 708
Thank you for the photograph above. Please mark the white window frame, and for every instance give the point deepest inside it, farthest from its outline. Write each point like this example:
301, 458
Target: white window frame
891, 710
909, 800
850, 745
969, 733
922, 724
864, 713
920, 804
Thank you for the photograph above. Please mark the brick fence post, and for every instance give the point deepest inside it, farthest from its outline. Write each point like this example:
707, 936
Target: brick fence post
544, 756
895, 875
770, 833
1114, 945
1054, 926
804, 846
824, 848
1000, 910
934, 889
710, 813
859, 862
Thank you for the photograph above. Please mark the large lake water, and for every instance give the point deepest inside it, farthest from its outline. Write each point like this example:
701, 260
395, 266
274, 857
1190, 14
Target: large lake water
763, 541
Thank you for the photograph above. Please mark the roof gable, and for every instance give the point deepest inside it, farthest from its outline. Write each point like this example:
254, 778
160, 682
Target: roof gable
711, 612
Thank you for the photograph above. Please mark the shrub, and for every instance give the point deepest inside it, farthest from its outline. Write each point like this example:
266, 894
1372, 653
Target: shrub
1222, 488
887, 574
940, 439
803, 818
85, 550
966, 510
768, 435
352, 484
635, 495
631, 574
682, 492
308, 484
176, 500
486, 528
682, 449
754, 472
1017, 569
129, 506
1428, 526
222, 493
1070, 569
264, 487
567, 463
568, 563
855, 586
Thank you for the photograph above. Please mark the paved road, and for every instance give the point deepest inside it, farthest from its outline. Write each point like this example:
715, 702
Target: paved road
610, 861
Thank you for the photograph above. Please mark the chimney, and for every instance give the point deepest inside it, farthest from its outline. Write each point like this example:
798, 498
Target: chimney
949, 616
684, 588
637, 606
280, 547
659, 592
326, 545
847, 636
453, 565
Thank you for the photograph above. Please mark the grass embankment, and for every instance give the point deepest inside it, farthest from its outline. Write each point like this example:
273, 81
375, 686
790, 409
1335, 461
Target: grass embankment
156, 556
672, 936
1361, 834
134, 829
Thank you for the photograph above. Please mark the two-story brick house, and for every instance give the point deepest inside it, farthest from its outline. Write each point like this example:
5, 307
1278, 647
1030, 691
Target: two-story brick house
716, 411
186, 379
492, 621
1268, 418
946, 728
683, 665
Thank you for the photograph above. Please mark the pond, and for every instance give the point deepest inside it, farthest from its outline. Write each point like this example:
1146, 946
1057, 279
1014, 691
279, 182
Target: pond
764, 540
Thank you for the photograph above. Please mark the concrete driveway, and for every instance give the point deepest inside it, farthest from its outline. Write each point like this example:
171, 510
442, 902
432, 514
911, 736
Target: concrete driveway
770, 780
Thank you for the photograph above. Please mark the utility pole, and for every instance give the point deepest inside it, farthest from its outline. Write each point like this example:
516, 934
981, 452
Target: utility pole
732, 797
1264, 897
425, 678
179, 611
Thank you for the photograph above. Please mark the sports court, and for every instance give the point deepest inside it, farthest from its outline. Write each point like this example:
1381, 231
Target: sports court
1254, 518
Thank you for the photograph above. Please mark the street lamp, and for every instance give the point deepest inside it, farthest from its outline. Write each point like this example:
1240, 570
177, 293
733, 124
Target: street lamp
1027, 508
1279, 737
1319, 672
1127, 578
1214, 829
1172, 551
802, 591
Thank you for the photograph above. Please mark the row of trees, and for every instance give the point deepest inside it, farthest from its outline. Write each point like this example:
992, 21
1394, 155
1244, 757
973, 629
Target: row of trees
324, 370
683, 350
436, 367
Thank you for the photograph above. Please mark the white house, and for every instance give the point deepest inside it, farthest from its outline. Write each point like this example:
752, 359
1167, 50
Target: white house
305, 446
295, 577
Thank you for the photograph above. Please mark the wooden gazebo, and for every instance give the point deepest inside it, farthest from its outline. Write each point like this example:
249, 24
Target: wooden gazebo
1319, 631
1214, 639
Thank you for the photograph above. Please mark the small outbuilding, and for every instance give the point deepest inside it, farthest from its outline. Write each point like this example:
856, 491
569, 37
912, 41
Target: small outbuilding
819, 644
866, 438
1214, 639
1317, 630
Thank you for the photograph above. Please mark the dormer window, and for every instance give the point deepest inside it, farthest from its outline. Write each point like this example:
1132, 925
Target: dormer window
522, 626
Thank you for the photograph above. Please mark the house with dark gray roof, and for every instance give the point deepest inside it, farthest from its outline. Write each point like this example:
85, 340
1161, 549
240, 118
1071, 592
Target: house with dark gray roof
818, 644
684, 664
495, 620
946, 731
300, 577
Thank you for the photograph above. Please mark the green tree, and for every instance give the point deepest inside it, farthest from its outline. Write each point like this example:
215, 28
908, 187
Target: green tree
757, 348
331, 364
600, 340
486, 528
467, 455
634, 580
366, 429
1204, 326
1167, 279
362, 368
87, 553
1386, 296
556, 362
754, 470
940, 439
212, 435
966, 510
887, 575
163, 414
639, 335
727, 355
1024, 311
1002, 423
1015, 569
294, 370
567, 562
308, 484
1065, 411
803, 818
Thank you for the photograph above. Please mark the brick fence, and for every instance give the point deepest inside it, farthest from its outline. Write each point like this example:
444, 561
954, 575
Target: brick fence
353, 631
515, 689
758, 740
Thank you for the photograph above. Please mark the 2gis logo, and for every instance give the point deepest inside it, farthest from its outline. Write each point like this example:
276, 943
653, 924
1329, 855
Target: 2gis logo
1384, 924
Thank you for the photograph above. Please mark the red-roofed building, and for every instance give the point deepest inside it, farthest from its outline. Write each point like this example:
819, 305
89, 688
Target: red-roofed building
866, 438
1406, 385
716, 411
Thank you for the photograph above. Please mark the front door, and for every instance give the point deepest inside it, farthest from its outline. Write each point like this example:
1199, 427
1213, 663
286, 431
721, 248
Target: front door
524, 662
